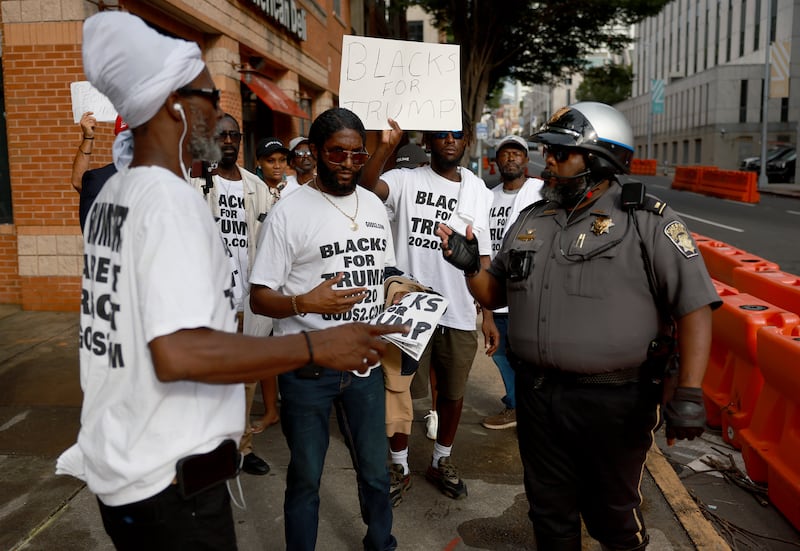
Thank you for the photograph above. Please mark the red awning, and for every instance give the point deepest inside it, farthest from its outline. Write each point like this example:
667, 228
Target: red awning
269, 92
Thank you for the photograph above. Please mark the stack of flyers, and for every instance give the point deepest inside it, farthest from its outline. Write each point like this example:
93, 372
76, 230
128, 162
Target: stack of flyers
419, 311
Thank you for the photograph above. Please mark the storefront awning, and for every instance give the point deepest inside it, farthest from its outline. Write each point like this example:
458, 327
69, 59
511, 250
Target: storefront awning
269, 92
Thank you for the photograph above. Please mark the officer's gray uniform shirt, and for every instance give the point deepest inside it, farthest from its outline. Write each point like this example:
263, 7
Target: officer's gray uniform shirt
586, 306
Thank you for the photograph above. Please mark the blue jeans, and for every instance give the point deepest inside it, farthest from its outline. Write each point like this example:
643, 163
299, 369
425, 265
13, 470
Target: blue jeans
360, 411
502, 363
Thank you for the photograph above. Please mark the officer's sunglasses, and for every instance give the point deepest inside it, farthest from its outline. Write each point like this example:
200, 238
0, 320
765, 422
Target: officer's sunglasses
559, 152
339, 156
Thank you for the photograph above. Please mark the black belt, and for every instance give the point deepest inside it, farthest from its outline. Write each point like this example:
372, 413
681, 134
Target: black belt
539, 375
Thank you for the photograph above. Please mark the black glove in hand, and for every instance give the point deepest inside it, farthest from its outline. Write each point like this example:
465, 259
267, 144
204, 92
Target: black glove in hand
685, 414
464, 253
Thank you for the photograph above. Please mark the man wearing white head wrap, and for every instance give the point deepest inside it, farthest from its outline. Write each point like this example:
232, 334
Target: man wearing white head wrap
160, 360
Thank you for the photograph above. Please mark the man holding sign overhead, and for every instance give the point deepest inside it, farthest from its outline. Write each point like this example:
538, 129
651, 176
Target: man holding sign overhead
418, 200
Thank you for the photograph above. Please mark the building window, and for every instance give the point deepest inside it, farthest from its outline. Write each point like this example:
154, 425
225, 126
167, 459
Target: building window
415, 31
784, 109
685, 153
773, 22
337, 7
698, 150
757, 27
717, 23
742, 23
674, 153
743, 102
729, 38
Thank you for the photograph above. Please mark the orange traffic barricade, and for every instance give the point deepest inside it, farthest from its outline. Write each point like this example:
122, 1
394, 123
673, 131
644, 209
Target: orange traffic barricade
721, 259
773, 286
717, 377
731, 387
771, 444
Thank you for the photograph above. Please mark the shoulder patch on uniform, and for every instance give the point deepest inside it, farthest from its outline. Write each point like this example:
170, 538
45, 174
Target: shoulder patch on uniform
681, 238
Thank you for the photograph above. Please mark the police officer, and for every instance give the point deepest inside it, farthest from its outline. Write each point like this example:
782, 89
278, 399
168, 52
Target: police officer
593, 275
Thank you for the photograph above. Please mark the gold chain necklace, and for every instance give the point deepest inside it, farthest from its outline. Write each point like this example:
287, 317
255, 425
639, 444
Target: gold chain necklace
353, 223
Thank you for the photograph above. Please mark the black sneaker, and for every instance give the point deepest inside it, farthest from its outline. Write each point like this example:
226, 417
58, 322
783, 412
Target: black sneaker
399, 484
447, 479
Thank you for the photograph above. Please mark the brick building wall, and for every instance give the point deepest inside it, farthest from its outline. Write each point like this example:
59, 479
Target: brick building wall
40, 60
41, 252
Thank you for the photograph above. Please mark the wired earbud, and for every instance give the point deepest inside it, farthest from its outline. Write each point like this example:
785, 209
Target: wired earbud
177, 107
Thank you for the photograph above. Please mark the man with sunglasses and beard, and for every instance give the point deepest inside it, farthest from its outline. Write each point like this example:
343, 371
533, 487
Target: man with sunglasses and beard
418, 200
239, 202
598, 278
320, 263
161, 363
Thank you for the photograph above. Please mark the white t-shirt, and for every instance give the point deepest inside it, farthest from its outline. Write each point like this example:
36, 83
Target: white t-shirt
529, 193
233, 228
154, 264
418, 200
305, 241
505, 209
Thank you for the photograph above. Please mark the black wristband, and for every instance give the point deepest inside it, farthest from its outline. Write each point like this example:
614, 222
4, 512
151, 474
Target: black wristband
87, 138
310, 348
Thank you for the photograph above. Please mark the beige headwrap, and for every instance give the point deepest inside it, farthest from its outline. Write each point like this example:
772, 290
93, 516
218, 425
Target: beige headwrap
135, 66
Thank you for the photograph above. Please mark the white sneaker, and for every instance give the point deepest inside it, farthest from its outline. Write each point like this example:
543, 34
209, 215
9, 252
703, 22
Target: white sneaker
432, 424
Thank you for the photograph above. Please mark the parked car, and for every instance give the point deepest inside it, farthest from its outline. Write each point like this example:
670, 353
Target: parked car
754, 163
781, 169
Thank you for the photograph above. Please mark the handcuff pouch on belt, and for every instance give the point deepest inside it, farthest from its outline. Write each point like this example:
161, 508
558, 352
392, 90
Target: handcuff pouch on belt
661, 366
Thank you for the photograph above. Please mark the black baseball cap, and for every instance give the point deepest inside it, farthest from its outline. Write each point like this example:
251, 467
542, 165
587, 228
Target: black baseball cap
268, 146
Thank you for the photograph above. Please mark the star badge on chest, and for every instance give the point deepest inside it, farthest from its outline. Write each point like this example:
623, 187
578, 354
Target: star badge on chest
602, 225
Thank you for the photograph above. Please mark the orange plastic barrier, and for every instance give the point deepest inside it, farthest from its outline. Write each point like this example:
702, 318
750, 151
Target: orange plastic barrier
717, 377
731, 387
721, 259
771, 445
687, 178
738, 185
645, 167
775, 287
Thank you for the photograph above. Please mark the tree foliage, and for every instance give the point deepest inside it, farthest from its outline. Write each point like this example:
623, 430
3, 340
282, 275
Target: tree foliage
535, 42
610, 83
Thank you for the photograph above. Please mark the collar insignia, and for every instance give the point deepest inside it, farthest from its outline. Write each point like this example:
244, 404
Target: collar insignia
602, 225
529, 235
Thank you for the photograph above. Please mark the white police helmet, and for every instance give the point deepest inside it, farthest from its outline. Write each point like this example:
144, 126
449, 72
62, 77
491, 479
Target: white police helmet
596, 128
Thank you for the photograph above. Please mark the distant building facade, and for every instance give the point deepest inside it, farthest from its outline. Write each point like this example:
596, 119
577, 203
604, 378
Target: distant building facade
710, 57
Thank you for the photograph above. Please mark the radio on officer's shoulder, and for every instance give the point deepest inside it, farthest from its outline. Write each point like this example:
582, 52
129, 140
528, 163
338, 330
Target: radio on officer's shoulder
519, 264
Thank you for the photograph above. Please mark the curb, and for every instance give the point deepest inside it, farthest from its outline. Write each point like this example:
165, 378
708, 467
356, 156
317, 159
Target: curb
699, 530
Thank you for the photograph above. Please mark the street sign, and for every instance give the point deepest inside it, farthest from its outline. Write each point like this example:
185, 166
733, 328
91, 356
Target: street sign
657, 96
481, 131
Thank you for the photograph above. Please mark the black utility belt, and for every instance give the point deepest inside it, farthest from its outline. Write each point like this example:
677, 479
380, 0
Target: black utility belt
539, 375
200, 472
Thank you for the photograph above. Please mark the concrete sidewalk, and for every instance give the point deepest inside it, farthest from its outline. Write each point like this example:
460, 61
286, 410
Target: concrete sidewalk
40, 401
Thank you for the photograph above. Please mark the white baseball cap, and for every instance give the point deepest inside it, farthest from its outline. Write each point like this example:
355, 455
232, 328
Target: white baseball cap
513, 141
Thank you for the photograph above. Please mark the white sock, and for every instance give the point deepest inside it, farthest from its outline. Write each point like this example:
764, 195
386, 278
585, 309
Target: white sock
401, 458
440, 451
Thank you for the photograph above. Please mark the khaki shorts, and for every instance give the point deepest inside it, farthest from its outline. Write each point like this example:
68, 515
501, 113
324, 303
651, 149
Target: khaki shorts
450, 353
399, 409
